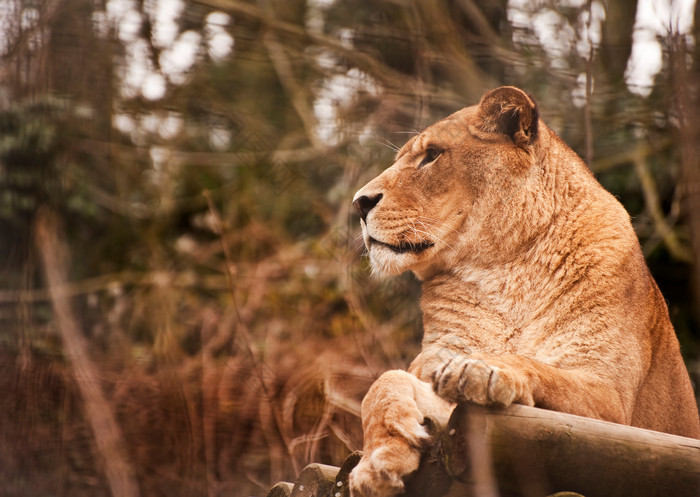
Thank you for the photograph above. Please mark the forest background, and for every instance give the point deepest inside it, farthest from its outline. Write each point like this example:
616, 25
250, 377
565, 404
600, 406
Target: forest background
184, 304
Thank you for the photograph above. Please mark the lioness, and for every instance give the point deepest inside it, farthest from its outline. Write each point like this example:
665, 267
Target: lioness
535, 290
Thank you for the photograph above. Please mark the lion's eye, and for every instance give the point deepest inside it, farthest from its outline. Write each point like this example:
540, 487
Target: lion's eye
431, 155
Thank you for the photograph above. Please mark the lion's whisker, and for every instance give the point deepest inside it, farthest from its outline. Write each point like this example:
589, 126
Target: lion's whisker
428, 232
390, 145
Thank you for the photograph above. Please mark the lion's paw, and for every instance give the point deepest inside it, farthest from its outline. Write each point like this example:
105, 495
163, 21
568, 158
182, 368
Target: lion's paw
475, 380
382, 473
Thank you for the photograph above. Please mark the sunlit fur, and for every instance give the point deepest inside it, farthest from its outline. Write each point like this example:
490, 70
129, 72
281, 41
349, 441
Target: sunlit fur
535, 290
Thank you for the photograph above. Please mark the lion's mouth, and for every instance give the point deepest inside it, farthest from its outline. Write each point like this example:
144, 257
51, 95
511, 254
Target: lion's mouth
405, 247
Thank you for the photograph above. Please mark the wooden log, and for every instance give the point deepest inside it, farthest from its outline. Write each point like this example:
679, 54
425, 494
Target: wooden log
315, 480
523, 451
281, 489
340, 487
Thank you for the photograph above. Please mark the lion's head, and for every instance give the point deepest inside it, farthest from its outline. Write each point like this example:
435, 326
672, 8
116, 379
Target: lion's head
461, 189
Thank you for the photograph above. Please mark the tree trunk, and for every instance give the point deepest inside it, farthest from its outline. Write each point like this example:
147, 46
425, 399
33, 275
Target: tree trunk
684, 85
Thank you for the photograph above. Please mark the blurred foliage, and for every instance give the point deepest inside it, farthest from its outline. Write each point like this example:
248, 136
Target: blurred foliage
202, 157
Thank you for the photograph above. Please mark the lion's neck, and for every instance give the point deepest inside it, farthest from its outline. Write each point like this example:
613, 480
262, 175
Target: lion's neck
491, 301
467, 300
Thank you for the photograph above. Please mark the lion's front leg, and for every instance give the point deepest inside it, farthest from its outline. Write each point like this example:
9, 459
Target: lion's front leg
395, 415
511, 379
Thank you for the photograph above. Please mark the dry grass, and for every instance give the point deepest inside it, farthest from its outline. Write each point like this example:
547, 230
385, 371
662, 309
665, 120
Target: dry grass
216, 388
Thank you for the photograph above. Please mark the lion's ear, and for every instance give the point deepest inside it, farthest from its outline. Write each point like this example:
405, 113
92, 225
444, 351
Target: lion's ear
510, 111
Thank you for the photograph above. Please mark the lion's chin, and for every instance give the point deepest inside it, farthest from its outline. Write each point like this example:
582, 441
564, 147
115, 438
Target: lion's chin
385, 262
388, 259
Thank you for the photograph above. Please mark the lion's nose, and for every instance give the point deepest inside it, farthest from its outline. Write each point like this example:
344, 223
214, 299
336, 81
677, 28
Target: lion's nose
364, 204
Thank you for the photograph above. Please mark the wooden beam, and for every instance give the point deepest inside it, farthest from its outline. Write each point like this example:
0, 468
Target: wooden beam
525, 451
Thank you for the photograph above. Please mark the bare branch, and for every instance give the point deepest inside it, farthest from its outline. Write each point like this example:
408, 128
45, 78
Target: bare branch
653, 204
299, 98
367, 63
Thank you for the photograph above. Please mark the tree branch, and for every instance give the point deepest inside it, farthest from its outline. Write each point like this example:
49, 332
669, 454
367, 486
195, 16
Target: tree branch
299, 99
663, 229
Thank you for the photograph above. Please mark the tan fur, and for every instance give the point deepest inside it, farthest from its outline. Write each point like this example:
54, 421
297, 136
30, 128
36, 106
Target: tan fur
535, 290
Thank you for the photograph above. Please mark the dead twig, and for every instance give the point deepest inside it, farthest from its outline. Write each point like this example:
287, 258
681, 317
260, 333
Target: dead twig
245, 335
53, 251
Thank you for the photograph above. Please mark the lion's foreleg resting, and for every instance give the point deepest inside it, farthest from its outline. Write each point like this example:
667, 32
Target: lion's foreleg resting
511, 379
396, 413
